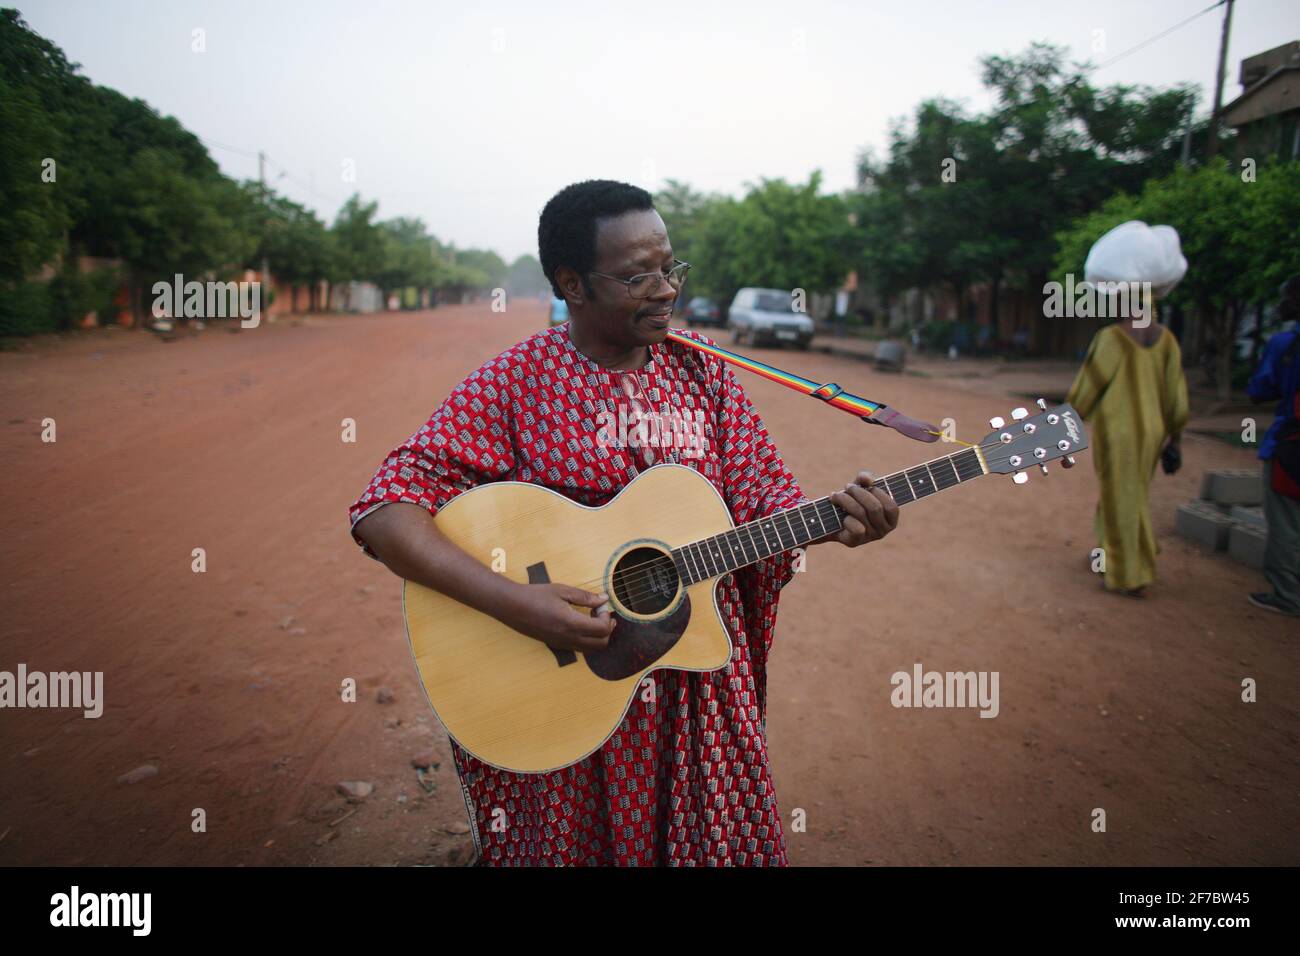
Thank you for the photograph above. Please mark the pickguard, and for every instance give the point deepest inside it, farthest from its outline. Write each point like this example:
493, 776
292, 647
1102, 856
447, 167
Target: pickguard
636, 645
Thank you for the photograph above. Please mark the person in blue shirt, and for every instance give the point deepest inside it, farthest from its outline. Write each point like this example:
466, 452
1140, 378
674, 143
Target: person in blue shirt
559, 312
1278, 377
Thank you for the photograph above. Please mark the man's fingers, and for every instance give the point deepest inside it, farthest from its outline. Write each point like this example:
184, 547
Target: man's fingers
854, 527
873, 509
870, 512
599, 624
580, 597
850, 505
889, 506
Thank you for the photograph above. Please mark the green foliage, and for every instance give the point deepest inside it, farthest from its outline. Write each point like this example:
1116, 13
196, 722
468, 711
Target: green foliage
778, 236
169, 222
526, 278
134, 185
288, 235
1238, 237
73, 295
1052, 148
489, 266
683, 210
34, 219
359, 240
26, 309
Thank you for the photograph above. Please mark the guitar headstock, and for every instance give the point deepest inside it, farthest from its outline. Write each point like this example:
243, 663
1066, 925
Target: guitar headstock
1015, 446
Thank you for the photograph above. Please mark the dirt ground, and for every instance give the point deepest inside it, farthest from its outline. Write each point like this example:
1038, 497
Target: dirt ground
228, 681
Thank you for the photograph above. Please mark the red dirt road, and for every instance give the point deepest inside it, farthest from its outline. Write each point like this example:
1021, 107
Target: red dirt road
228, 681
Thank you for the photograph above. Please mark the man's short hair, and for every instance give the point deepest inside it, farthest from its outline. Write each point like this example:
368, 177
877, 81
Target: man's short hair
566, 232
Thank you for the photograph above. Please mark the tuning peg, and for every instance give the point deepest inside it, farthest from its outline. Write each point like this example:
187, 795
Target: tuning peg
997, 421
1067, 461
1043, 469
1020, 477
1042, 405
1018, 413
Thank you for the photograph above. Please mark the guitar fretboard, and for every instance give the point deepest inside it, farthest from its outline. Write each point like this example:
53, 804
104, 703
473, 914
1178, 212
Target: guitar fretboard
749, 543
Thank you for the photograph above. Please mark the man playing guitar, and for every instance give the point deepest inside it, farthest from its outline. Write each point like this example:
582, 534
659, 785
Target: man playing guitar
684, 780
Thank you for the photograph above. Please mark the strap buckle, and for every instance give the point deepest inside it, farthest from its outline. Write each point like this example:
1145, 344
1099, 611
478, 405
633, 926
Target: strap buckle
826, 398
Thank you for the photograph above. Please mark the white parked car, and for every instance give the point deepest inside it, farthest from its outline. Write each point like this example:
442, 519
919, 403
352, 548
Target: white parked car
767, 317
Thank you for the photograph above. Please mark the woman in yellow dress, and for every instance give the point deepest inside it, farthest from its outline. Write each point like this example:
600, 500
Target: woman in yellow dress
1132, 392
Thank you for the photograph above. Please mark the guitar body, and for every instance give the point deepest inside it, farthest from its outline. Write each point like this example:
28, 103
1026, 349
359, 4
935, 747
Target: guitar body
509, 699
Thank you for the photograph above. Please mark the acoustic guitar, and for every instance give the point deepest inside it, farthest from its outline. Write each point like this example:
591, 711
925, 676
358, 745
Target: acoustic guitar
517, 704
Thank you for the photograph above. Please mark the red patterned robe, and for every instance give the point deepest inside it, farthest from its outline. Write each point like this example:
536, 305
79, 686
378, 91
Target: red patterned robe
684, 780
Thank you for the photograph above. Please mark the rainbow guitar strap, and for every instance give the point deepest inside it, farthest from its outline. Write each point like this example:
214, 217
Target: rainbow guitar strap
874, 413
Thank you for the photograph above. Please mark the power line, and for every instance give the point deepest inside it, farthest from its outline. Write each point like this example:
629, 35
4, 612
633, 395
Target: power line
233, 149
284, 170
307, 186
1165, 33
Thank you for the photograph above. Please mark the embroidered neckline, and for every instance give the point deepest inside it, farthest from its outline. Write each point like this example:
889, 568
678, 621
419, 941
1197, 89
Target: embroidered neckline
652, 352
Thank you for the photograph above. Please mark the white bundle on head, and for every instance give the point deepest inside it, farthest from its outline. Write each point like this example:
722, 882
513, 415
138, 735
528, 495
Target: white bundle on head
1135, 252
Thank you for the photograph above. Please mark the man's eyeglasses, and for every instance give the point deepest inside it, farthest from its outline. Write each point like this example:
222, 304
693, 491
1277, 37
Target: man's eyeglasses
647, 283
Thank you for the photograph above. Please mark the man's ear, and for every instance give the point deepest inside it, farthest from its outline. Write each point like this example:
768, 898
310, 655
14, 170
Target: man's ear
571, 285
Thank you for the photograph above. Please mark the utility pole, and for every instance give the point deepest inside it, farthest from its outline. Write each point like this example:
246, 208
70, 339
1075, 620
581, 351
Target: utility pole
266, 268
1212, 147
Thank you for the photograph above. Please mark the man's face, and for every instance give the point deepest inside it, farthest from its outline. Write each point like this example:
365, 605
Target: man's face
628, 245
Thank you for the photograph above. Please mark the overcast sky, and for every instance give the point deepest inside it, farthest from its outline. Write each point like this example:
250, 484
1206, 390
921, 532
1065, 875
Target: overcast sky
471, 115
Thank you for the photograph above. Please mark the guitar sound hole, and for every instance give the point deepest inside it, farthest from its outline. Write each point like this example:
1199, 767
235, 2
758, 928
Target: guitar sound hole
645, 580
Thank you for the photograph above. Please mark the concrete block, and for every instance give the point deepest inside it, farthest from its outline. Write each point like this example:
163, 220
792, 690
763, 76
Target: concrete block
1236, 487
889, 355
1246, 543
1244, 514
1203, 524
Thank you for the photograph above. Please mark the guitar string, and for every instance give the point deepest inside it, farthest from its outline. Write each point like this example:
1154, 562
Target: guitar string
643, 587
638, 585
894, 475
637, 593
624, 572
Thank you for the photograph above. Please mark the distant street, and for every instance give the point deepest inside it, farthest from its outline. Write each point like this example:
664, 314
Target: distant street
228, 681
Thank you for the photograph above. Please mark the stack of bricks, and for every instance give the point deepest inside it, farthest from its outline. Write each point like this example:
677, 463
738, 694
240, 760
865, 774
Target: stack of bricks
1228, 516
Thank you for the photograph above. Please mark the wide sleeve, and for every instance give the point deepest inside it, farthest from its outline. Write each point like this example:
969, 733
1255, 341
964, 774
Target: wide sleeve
1099, 368
1175, 389
467, 441
756, 482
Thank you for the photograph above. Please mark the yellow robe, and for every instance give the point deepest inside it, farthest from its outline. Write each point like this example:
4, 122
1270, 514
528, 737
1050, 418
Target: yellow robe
1133, 397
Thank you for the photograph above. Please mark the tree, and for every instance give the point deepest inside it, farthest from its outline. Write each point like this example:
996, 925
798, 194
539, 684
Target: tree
35, 215
409, 256
525, 278
492, 267
168, 222
288, 235
359, 241
683, 209
131, 184
778, 236
979, 198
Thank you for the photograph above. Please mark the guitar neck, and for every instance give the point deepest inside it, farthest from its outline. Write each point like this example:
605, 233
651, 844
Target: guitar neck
750, 543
